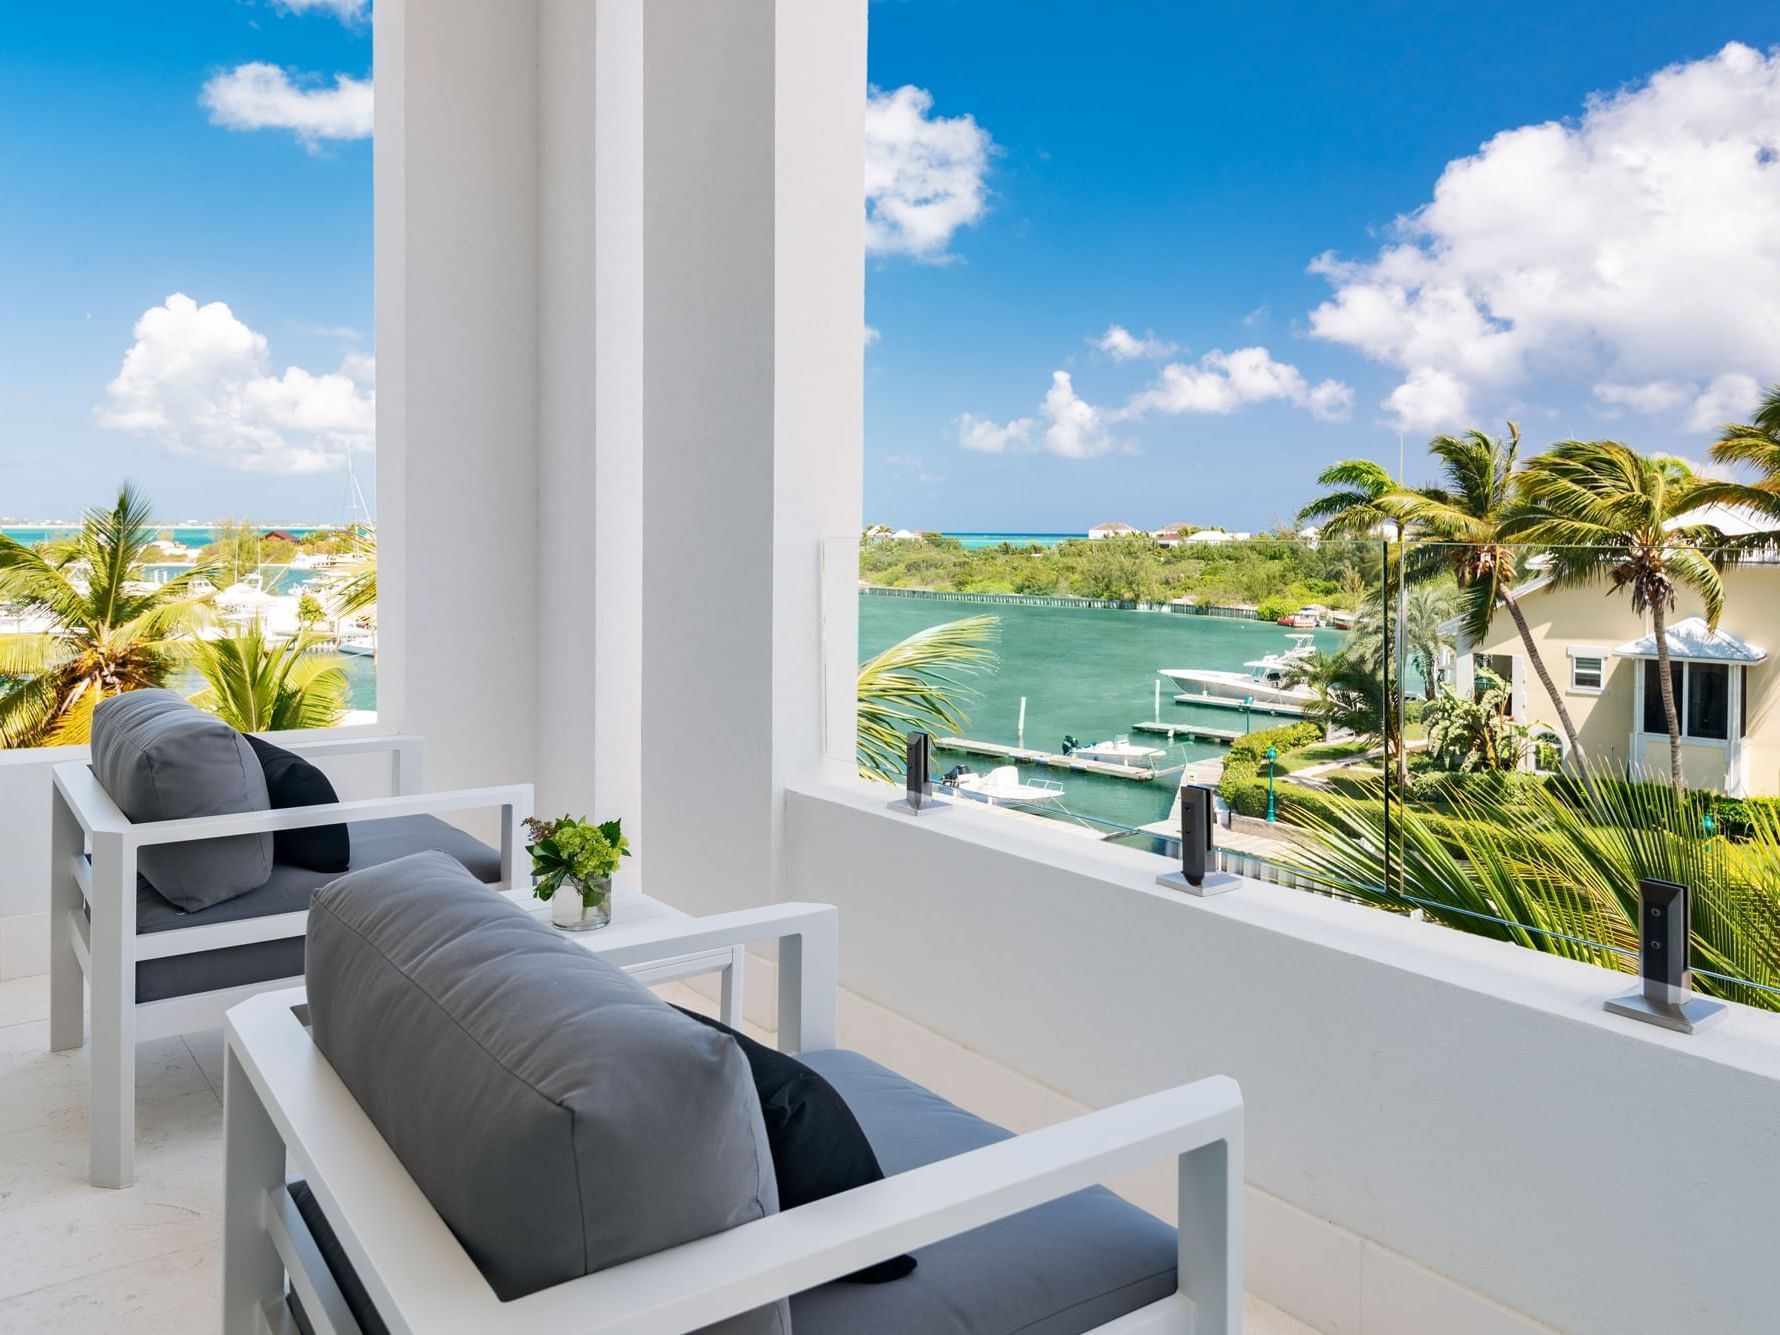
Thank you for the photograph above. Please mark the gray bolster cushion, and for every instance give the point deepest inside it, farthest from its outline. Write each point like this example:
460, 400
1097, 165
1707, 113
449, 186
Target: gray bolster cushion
558, 1115
162, 758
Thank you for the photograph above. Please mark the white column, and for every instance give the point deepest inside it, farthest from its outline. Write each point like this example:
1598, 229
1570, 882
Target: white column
752, 317
457, 395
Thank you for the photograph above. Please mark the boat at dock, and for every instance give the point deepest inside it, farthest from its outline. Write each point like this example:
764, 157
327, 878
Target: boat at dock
1003, 787
1120, 751
1266, 685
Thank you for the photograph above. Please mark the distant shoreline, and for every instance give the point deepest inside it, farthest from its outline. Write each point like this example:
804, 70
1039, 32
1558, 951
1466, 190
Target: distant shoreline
1234, 613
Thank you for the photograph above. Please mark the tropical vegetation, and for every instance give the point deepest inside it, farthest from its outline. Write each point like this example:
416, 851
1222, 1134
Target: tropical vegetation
260, 684
111, 631
919, 684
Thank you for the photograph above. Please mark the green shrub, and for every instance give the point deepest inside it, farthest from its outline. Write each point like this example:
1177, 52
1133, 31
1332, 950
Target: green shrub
1247, 754
1275, 607
1293, 803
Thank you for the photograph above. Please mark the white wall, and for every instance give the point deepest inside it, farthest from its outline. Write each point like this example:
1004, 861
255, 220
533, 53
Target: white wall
1467, 1105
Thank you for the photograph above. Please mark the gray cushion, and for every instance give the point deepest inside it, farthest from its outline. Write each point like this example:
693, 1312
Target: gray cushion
288, 890
160, 758
1060, 1269
559, 1116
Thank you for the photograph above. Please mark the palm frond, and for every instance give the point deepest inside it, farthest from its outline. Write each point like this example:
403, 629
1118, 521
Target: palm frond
919, 685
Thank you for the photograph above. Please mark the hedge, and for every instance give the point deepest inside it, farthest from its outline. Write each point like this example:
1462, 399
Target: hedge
1293, 802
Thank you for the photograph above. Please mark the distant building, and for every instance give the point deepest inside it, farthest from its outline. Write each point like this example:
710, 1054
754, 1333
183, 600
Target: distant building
1172, 535
1209, 535
1114, 530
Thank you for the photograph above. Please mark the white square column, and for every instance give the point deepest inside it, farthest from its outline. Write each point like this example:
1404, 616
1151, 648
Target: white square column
753, 311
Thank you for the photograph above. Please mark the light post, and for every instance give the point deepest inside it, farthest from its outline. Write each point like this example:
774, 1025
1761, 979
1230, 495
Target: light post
1248, 704
1272, 756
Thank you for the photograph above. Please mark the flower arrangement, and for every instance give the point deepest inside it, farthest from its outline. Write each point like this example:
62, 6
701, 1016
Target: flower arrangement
571, 850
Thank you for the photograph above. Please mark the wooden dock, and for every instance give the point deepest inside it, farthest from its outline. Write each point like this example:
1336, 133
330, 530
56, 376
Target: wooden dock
1196, 732
1021, 755
1225, 702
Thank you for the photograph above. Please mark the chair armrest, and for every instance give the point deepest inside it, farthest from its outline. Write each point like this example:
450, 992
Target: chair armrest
809, 959
421, 1280
145, 833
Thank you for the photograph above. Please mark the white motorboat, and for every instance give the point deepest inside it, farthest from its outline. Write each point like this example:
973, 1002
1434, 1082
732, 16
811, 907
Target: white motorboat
1002, 786
1120, 751
1267, 683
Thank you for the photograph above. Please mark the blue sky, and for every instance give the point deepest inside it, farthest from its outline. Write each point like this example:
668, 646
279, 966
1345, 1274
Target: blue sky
1045, 172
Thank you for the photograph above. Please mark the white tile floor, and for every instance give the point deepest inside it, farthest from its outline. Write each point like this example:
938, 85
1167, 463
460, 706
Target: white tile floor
74, 1258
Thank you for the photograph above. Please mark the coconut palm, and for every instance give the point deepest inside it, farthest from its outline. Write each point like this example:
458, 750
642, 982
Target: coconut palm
112, 632
1756, 444
257, 684
356, 589
1346, 693
1465, 518
1562, 878
1606, 511
917, 685
1350, 508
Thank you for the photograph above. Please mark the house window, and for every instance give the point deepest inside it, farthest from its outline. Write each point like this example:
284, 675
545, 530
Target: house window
1587, 672
1709, 701
1702, 700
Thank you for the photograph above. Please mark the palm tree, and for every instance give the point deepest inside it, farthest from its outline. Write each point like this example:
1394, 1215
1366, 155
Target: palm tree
1350, 508
113, 633
1606, 511
1755, 443
1345, 693
255, 684
916, 685
1425, 639
356, 589
1466, 517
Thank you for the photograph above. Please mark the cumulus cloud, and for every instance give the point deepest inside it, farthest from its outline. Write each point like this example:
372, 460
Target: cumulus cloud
200, 382
872, 334
1122, 345
347, 11
258, 96
1065, 425
916, 465
923, 174
1638, 245
1223, 382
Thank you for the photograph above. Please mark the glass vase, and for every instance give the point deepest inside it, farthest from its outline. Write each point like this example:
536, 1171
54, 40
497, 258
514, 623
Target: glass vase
581, 906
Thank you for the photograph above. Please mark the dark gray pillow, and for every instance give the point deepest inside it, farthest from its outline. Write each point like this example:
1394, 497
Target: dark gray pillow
558, 1115
162, 758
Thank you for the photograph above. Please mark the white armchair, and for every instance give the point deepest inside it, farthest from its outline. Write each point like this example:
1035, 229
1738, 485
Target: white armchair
94, 930
285, 1108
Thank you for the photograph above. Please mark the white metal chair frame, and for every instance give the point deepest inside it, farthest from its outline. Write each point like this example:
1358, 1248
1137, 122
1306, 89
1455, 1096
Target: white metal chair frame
283, 1104
102, 950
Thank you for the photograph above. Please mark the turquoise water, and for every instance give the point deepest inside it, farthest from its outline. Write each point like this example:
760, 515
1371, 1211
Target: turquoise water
972, 541
184, 535
1089, 673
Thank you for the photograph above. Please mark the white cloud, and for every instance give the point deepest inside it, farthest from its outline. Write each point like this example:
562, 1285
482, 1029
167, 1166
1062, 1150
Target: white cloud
199, 381
1223, 382
1122, 345
1637, 245
1654, 396
347, 11
872, 334
923, 174
1731, 397
1066, 425
258, 96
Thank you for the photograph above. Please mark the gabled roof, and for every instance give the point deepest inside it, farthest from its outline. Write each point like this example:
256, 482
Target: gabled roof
1691, 642
1114, 527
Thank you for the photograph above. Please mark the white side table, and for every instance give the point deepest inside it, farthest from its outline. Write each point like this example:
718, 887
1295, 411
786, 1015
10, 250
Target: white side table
630, 910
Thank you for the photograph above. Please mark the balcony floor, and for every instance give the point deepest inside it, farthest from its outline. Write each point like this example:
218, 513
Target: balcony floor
81, 1259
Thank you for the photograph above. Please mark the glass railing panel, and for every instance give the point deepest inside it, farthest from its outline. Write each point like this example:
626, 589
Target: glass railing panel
1122, 668
1547, 775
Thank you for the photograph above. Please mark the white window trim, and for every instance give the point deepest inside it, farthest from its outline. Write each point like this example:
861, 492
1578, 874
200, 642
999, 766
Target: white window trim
1599, 652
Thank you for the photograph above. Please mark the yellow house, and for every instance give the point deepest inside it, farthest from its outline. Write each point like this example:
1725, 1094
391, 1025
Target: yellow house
1602, 658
